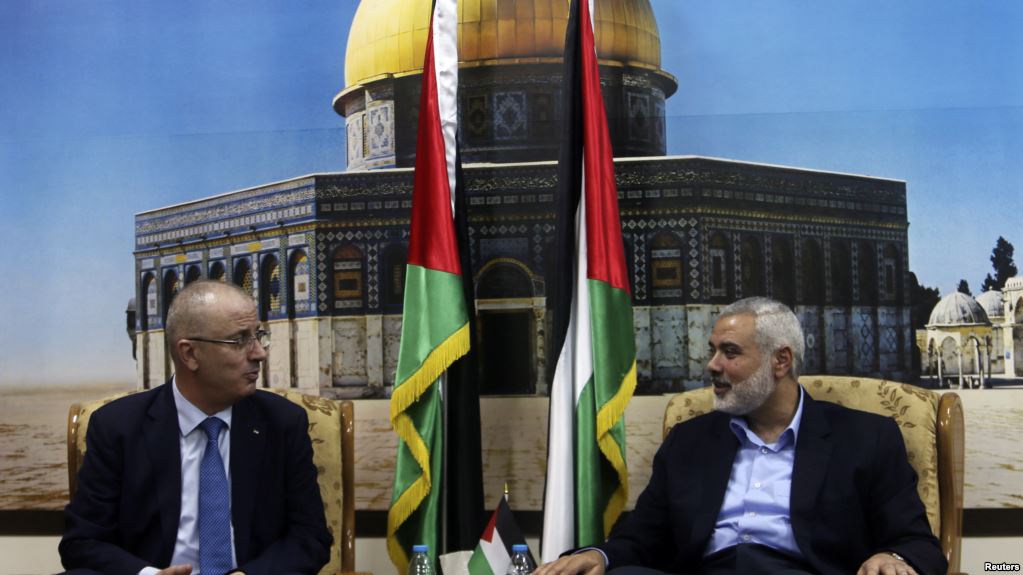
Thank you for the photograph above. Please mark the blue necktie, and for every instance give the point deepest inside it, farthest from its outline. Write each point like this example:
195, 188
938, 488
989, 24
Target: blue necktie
214, 505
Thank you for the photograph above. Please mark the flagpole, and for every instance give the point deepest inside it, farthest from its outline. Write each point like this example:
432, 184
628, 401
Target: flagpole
442, 388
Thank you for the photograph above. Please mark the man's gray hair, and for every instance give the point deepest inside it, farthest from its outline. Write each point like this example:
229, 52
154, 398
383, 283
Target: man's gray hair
776, 327
185, 318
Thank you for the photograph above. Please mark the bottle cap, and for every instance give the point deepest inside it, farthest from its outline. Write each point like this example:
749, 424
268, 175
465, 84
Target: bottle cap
520, 548
420, 548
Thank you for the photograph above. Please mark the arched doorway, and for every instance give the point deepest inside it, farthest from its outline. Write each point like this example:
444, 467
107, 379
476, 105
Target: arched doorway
949, 359
507, 327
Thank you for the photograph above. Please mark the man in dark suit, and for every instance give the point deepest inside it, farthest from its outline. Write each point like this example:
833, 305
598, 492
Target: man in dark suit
771, 481
152, 498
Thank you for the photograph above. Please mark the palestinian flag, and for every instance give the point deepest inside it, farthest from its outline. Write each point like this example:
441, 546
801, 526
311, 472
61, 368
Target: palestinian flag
435, 324
592, 338
493, 554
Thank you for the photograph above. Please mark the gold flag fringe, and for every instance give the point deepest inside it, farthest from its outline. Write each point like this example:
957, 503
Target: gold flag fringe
609, 415
408, 391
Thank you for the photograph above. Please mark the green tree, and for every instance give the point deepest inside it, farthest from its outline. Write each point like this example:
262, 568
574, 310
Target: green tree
923, 301
1001, 261
964, 287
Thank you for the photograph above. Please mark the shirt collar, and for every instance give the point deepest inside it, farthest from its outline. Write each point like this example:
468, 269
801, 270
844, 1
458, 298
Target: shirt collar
741, 428
190, 416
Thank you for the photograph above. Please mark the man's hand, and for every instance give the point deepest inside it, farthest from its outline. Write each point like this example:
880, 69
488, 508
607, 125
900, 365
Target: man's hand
586, 563
885, 564
176, 570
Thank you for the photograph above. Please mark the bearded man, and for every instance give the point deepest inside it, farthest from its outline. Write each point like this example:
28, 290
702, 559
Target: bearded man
771, 481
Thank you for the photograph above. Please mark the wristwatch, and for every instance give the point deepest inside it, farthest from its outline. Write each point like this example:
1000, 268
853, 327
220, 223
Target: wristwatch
897, 556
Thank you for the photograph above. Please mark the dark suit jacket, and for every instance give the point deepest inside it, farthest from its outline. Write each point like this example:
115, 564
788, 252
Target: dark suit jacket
853, 495
125, 512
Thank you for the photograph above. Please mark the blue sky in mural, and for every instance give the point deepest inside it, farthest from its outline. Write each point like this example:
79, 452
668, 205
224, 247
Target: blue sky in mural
110, 108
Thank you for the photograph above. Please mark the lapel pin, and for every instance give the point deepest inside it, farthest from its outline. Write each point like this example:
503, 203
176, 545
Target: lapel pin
256, 431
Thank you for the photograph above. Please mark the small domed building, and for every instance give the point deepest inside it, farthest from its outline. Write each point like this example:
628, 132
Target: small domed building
959, 341
324, 254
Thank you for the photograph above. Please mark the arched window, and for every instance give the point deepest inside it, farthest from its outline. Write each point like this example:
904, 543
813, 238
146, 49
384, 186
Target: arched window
349, 280
783, 270
170, 289
243, 275
269, 289
813, 273
217, 271
752, 266
395, 265
666, 267
299, 284
841, 273
867, 268
720, 269
192, 273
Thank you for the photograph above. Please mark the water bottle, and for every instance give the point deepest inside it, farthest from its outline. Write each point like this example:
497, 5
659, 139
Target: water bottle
520, 564
420, 562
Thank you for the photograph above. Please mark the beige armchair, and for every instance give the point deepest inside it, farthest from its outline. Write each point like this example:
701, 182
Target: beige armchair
332, 431
931, 424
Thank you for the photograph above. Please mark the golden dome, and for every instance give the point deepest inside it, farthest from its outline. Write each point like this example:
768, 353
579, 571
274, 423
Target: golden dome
388, 37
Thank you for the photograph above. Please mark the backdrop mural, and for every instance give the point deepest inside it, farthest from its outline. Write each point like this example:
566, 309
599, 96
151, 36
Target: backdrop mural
817, 155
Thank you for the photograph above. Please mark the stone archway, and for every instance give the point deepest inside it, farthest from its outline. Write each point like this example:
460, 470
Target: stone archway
507, 325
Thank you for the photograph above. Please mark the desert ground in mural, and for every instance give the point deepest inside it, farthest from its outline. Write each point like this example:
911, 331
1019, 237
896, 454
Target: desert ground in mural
33, 472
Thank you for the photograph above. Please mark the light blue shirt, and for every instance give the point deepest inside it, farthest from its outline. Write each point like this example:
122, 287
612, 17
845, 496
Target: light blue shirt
193, 445
756, 505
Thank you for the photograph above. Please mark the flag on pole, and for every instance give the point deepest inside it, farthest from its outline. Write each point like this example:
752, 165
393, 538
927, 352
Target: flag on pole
592, 339
493, 553
435, 324
463, 469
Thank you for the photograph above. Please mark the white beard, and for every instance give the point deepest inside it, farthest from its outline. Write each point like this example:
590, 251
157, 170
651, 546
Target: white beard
745, 396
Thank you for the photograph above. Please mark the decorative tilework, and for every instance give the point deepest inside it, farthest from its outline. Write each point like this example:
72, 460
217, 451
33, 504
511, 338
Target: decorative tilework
476, 116
538, 246
854, 257
381, 129
737, 258
694, 261
509, 116
353, 129
372, 281
639, 269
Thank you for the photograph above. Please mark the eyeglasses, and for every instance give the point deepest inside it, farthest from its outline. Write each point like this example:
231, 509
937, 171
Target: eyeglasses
243, 342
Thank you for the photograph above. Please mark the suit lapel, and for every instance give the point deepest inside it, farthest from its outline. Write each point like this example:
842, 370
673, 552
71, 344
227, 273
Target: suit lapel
813, 452
248, 438
717, 469
162, 437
